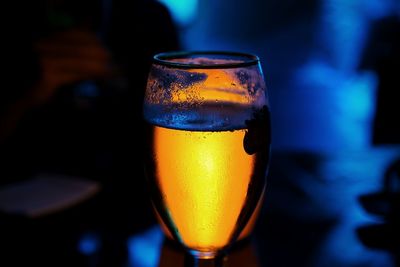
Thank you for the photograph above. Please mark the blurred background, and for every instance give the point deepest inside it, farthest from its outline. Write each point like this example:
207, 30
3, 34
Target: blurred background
314, 55
331, 68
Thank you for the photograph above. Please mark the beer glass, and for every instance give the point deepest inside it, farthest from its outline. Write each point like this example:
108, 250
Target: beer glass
208, 145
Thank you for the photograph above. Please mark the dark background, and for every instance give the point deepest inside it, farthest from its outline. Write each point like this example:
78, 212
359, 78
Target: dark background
331, 68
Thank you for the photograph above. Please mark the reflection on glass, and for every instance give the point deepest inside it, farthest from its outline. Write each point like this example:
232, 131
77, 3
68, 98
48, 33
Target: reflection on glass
208, 145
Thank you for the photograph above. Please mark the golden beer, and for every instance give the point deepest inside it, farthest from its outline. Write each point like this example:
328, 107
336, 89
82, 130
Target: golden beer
208, 138
205, 183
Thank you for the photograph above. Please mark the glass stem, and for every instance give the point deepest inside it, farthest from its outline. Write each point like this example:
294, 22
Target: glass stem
192, 261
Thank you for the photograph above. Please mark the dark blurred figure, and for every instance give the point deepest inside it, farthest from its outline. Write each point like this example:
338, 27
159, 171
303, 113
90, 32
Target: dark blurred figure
73, 79
383, 56
385, 204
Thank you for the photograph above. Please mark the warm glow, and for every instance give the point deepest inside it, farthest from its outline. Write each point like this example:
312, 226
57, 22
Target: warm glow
204, 177
220, 85
247, 230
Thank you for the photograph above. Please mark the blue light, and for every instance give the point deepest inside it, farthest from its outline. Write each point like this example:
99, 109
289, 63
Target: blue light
346, 178
344, 29
144, 249
89, 244
87, 89
183, 11
339, 104
377, 9
357, 102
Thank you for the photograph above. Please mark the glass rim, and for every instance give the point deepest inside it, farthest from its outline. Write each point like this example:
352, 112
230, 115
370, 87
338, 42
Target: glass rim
165, 59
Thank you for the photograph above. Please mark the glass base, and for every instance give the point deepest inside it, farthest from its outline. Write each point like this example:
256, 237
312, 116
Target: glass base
203, 254
204, 259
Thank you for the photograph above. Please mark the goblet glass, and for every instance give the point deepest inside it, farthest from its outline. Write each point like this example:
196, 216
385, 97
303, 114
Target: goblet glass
208, 145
